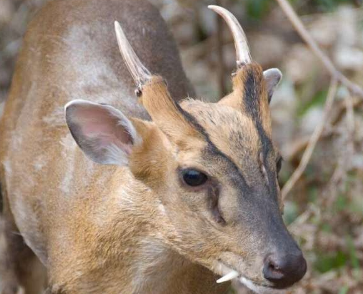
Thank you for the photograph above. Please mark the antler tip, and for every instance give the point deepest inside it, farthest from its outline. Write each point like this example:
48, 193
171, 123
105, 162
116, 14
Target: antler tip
117, 25
215, 7
240, 40
138, 71
119, 32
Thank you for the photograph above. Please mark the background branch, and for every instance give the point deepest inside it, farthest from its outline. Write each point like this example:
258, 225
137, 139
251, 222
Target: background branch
305, 35
313, 140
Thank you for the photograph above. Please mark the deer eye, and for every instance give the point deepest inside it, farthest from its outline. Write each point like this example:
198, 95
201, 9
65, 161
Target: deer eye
194, 178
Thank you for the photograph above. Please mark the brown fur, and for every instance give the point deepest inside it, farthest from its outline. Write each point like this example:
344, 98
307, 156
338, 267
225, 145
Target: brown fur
139, 228
163, 110
238, 97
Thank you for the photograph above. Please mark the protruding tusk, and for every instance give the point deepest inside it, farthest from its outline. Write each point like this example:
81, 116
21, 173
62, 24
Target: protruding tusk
138, 71
228, 277
243, 55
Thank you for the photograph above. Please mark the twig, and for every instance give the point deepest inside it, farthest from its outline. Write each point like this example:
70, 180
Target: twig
313, 140
293, 149
337, 180
349, 104
303, 217
350, 123
342, 108
305, 35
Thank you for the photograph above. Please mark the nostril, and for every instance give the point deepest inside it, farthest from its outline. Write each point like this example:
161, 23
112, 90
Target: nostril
274, 271
285, 269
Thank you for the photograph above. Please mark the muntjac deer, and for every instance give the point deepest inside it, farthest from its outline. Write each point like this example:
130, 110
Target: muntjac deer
168, 194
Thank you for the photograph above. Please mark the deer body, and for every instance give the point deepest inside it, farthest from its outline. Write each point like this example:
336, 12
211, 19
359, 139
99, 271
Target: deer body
119, 228
70, 52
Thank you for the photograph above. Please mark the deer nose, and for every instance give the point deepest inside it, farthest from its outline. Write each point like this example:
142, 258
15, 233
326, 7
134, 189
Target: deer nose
283, 270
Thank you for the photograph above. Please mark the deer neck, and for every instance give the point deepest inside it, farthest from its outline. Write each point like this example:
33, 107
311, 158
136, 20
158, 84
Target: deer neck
154, 267
158, 269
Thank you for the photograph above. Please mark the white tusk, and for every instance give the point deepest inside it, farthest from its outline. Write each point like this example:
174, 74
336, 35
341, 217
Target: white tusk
228, 277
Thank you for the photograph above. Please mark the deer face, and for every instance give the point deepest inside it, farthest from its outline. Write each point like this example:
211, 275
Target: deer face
225, 182
213, 168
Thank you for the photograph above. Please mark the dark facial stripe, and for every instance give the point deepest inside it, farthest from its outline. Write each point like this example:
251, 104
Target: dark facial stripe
252, 93
212, 148
266, 147
252, 99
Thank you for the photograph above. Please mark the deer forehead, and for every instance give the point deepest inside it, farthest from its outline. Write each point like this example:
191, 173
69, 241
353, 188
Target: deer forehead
231, 131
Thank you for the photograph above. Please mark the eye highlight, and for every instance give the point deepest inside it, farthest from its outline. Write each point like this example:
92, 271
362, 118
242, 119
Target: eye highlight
193, 177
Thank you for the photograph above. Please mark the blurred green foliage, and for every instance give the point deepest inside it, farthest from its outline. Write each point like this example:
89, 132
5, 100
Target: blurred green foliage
328, 5
327, 261
344, 290
259, 8
317, 100
291, 212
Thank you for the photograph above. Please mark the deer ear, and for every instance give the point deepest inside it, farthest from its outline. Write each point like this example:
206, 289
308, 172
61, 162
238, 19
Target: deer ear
103, 133
272, 77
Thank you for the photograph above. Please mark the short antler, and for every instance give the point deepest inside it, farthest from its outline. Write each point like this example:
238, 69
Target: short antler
243, 55
249, 84
152, 90
138, 71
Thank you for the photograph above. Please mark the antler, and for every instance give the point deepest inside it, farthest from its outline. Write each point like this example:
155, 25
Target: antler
243, 55
139, 72
152, 90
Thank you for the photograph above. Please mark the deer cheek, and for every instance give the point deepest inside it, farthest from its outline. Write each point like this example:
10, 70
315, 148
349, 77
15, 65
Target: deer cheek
213, 197
150, 165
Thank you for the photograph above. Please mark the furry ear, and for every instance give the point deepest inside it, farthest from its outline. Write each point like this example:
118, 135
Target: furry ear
272, 77
103, 133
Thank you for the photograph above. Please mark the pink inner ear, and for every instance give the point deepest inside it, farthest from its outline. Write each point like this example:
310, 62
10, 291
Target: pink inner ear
97, 122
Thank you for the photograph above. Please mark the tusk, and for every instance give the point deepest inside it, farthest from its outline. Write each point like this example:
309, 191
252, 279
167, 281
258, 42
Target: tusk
139, 72
228, 277
243, 55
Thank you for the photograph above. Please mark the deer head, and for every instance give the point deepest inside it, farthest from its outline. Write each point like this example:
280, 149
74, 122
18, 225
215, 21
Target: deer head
212, 166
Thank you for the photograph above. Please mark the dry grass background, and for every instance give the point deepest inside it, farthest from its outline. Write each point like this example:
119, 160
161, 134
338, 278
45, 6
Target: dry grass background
324, 210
